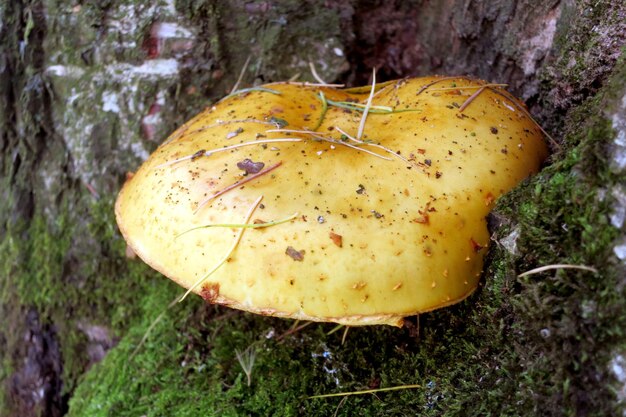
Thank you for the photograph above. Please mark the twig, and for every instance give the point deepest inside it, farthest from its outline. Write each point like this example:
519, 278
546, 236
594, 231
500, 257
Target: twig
230, 251
238, 183
557, 266
368, 391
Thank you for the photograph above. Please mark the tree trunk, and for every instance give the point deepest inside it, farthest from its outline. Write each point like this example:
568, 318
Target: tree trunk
89, 88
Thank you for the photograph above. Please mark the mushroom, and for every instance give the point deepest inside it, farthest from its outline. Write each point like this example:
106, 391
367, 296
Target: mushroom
356, 206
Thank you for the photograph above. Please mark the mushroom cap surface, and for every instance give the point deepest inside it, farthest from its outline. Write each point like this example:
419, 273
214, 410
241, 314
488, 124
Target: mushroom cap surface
388, 225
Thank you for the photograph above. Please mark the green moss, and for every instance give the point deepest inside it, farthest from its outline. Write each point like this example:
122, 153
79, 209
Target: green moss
35, 262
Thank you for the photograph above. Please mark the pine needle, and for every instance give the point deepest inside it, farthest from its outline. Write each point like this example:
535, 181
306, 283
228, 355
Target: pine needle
152, 326
470, 99
430, 84
367, 107
228, 148
368, 391
335, 329
228, 253
319, 137
360, 107
252, 89
376, 145
324, 110
237, 184
241, 74
242, 225
468, 87
557, 266
513, 100
316, 75
345, 334
294, 330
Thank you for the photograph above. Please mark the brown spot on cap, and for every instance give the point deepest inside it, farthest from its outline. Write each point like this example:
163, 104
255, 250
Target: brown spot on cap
210, 292
475, 245
337, 239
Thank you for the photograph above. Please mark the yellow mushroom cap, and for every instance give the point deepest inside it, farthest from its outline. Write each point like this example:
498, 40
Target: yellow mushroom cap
360, 229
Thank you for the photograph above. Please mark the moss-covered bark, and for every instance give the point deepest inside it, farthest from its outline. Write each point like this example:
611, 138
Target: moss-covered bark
89, 88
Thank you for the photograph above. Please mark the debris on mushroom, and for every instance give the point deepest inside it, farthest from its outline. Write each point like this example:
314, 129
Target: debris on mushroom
427, 163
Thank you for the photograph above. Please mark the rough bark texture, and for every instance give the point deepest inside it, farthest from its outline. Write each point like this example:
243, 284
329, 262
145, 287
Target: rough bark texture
89, 88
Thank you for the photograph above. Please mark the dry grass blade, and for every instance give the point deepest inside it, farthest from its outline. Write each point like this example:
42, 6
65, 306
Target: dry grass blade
228, 253
557, 266
367, 391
